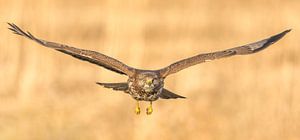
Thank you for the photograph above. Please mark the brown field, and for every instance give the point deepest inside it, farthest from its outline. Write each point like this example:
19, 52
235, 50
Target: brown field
46, 95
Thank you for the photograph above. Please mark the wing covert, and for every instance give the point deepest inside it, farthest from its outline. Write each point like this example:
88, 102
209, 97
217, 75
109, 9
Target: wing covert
86, 55
241, 50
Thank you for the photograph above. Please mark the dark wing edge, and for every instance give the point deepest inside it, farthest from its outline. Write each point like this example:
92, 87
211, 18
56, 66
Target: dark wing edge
166, 94
241, 50
115, 86
86, 55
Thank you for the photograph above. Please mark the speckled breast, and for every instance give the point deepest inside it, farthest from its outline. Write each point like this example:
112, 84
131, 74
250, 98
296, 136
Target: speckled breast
139, 94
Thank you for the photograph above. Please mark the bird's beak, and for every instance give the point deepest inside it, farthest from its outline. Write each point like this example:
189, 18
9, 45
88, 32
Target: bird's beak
149, 81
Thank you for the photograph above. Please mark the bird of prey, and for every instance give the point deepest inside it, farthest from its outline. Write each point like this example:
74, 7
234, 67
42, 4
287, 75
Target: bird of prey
147, 85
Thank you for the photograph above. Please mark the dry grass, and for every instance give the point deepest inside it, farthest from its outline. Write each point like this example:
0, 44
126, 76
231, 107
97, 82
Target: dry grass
47, 95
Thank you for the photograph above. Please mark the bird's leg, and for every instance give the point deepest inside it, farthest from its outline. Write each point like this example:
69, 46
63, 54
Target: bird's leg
149, 109
137, 108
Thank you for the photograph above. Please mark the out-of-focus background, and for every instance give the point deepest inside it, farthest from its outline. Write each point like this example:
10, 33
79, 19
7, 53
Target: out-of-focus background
45, 94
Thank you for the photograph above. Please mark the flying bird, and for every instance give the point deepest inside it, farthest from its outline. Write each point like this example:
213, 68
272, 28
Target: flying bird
147, 85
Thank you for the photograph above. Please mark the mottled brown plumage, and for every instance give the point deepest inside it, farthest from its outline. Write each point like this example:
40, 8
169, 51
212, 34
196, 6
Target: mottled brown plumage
147, 85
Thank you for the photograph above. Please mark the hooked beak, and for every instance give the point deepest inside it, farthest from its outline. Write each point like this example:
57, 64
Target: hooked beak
149, 81
148, 86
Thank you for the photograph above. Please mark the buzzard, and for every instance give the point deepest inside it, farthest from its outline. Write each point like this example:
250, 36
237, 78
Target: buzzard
147, 85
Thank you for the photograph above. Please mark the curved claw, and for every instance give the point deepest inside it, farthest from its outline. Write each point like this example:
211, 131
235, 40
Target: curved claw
137, 111
149, 109
137, 108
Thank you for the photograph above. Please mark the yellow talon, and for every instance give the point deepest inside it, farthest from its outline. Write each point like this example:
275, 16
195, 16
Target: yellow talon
149, 109
137, 108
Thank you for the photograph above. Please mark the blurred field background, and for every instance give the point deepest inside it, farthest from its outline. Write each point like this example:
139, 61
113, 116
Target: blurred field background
45, 94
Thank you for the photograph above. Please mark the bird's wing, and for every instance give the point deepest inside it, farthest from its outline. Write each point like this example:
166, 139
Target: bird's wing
115, 86
166, 94
241, 50
86, 55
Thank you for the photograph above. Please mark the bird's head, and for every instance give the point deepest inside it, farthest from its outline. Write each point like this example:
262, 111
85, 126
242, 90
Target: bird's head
150, 82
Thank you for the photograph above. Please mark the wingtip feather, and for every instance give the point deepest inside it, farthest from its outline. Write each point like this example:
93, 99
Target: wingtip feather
98, 83
278, 36
285, 32
288, 30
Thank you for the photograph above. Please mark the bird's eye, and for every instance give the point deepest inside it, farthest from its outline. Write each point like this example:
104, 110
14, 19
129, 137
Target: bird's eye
155, 81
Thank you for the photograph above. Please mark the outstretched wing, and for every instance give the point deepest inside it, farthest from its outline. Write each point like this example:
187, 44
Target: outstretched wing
242, 50
86, 55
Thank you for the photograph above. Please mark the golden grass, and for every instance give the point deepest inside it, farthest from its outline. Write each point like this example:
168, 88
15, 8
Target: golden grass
47, 95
